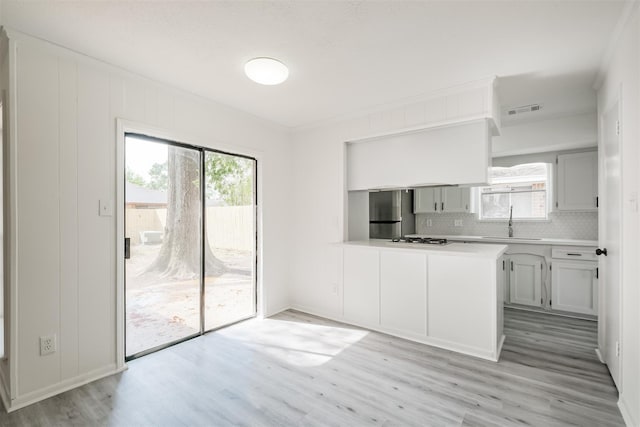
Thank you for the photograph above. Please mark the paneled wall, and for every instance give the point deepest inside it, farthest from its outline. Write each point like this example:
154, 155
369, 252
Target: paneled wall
62, 162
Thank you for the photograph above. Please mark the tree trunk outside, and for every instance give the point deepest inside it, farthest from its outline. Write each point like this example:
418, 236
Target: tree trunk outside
179, 255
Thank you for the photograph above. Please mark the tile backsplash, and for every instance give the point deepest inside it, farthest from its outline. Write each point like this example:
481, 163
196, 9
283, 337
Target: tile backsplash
561, 225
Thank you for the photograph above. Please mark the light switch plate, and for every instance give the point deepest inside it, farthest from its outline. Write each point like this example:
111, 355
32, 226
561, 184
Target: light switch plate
106, 207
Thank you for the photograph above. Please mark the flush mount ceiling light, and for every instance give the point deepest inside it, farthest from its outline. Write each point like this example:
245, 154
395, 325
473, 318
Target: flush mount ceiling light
266, 71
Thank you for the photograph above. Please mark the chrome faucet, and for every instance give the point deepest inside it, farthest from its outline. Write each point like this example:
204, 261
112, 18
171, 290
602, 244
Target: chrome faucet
511, 221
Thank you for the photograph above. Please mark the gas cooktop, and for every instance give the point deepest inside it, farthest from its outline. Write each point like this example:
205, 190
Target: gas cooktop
422, 240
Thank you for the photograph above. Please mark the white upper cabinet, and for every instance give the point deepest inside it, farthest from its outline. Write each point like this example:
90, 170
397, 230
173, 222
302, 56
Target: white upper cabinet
441, 199
426, 200
455, 199
577, 187
420, 158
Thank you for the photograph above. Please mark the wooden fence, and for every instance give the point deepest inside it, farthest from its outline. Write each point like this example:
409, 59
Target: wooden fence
228, 227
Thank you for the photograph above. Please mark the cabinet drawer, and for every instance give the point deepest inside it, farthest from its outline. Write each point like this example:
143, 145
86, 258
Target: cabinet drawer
584, 254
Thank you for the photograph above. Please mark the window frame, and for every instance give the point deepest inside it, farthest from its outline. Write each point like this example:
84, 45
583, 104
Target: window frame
549, 186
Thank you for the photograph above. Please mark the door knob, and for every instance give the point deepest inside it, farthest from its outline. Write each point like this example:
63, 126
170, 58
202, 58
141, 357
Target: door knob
601, 251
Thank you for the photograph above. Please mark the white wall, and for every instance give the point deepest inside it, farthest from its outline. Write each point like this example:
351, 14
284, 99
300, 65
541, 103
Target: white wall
63, 160
622, 72
555, 134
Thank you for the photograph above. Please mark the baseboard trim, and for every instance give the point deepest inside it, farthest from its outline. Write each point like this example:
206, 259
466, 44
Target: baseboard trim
626, 414
447, 345
276, 311
62, 386
337, 317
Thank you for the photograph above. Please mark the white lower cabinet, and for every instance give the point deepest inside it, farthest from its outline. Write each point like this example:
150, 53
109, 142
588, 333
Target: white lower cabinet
403, 291
574, 287
463, 294
453, 301
525, 280
362, 285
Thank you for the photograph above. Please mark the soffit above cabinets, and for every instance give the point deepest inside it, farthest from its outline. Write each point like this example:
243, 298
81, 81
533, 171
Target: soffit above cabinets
446, 107
456, 154
451, 146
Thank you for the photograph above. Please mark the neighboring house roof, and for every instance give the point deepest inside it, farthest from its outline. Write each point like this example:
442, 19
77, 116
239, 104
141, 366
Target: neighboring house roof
136, 194
141, 195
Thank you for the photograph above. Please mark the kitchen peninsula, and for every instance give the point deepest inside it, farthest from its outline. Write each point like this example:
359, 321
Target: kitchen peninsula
448, 296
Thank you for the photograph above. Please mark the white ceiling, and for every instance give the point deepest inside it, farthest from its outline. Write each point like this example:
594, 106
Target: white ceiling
343, 56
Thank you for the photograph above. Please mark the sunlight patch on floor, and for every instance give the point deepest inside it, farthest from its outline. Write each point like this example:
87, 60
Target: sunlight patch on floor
296, 343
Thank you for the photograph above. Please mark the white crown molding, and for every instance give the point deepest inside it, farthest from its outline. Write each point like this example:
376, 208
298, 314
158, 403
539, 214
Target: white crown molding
628, 11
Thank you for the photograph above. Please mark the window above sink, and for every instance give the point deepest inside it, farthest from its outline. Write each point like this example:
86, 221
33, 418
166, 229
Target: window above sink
525, 187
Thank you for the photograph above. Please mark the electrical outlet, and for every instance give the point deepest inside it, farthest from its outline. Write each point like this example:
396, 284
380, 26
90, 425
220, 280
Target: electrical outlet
429, 223
457, 223
334, 289
47, 345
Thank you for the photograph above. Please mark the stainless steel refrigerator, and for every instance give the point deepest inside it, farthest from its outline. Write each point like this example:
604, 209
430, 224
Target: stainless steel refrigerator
391, 214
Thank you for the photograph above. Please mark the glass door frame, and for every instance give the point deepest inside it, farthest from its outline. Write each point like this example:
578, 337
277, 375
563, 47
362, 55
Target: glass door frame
203, 237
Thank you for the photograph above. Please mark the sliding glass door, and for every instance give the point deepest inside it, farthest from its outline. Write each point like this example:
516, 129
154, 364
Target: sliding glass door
190, 249
230, 272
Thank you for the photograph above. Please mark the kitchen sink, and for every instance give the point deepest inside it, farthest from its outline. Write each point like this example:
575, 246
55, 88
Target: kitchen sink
510, 238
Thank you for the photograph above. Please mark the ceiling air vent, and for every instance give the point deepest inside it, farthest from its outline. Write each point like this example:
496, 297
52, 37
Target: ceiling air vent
524, 109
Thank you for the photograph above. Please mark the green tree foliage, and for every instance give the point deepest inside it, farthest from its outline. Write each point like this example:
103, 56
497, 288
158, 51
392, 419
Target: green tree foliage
231, 178
228, 177
135, 178
158, 176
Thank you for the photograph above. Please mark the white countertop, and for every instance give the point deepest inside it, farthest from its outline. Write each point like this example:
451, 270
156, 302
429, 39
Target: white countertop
512, 240
460, 249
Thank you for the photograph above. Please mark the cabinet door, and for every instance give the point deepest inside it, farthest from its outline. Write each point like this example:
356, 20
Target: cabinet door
403, 291
525, 280
461, 294
426, 200
361, 283
577, 181
455, 199
574, 287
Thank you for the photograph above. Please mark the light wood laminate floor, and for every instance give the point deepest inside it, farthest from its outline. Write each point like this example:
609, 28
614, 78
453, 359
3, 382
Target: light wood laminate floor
296, 369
